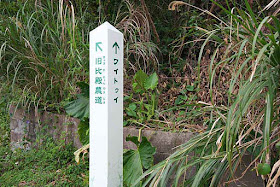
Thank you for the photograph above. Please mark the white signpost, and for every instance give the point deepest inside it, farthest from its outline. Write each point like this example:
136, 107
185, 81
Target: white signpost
106, 107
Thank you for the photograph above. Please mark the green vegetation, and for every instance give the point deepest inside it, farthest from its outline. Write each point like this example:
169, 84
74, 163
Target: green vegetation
250, 120
208, 67
50, 164
37, 53
79, 108
136, 161
146, 86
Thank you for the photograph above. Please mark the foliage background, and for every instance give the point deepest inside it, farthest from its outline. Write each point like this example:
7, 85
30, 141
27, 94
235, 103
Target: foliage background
213, 67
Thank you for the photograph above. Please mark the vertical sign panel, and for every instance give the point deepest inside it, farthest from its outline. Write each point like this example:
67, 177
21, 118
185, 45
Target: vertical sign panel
106, 106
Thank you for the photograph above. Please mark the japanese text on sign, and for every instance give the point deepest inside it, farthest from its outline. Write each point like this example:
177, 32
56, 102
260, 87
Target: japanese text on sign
116, 68
100, 78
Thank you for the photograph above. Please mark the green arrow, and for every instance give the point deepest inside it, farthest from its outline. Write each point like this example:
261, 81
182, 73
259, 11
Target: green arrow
116, 46
98, 46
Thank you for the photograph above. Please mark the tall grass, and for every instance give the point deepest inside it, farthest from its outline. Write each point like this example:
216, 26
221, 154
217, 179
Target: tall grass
46, 52
44, 47
247, 46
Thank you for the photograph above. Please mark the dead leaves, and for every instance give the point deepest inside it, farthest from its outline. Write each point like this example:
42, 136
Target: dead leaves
83, 150
274, 175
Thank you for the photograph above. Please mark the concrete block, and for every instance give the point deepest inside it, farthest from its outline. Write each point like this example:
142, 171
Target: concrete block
165, 142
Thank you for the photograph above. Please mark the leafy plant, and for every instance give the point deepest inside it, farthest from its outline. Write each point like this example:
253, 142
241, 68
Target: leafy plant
263, 169
79, 108
136, 161
145, 87
183, 97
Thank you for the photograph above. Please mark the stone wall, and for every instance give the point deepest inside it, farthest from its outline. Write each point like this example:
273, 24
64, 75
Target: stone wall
25, 127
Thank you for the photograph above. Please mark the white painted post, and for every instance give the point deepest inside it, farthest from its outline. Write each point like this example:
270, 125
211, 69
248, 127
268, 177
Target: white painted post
106, 107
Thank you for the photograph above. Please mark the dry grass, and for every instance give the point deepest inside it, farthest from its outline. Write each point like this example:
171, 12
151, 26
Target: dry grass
140, 52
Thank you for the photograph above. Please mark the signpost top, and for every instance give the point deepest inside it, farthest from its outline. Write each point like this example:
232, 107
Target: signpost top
106, 26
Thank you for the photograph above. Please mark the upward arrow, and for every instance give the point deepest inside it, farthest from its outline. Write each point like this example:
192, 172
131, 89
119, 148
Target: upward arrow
116, 46
97, 46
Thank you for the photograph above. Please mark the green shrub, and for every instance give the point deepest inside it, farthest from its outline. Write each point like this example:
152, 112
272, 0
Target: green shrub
51, 164
249, 123
145, 89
